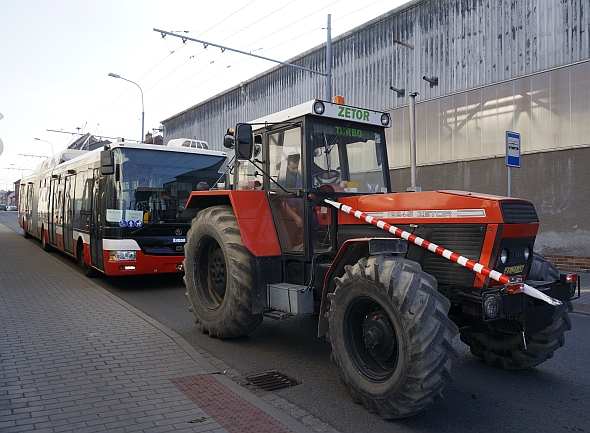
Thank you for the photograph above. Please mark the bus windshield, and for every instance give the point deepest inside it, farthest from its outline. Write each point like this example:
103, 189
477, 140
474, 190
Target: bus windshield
349, 155
154, 185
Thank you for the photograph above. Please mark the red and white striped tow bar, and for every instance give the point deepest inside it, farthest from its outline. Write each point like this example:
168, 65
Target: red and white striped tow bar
512, 287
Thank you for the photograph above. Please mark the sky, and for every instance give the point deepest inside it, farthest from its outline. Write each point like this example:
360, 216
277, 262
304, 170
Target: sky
56, 55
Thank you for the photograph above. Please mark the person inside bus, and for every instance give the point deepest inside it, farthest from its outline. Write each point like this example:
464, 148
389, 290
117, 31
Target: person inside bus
142, 194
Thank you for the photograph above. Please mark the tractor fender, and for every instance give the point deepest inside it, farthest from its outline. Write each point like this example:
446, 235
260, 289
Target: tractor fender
252, 212
350, 253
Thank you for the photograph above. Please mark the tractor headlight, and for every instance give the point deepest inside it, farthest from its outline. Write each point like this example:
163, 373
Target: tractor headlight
116, 256
318, 107
504, 256
491, 306
385, 119
527, 253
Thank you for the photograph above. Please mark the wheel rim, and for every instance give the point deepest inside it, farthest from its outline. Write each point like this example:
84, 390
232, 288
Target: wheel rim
370, 339
211, 273
217, 274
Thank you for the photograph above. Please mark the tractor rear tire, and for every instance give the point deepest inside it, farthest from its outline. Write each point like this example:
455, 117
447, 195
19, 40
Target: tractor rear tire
218, 274
390, 336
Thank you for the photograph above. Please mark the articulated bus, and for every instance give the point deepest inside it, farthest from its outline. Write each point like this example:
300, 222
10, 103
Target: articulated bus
118, 211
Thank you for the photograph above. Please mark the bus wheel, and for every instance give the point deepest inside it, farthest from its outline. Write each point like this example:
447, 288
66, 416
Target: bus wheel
26, 234
390, 336
44, 245
218, 276
88, 270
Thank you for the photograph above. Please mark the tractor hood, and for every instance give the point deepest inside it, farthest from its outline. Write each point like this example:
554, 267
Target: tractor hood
435, 207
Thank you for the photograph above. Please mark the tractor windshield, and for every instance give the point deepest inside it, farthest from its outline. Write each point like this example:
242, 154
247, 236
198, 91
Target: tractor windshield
347, 155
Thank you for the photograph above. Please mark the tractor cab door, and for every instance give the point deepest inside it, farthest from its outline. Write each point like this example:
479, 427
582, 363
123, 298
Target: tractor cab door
288, 204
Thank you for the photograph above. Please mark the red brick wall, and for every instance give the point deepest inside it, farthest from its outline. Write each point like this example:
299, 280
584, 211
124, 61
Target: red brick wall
570, 263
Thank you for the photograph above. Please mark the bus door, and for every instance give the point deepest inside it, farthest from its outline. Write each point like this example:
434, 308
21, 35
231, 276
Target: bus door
26, 207
53, 210
96, 223
68, 203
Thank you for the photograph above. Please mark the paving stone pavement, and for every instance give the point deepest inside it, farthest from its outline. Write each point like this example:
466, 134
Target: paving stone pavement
73, 357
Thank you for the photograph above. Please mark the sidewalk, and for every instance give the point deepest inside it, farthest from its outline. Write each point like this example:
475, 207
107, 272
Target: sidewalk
74, 357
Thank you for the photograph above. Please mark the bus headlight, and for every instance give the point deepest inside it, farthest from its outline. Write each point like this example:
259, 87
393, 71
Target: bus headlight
116, 256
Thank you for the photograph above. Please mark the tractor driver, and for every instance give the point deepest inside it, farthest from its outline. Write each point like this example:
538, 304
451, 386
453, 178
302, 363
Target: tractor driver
292, 175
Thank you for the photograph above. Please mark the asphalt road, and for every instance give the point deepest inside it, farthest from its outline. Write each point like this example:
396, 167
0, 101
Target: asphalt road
552, 397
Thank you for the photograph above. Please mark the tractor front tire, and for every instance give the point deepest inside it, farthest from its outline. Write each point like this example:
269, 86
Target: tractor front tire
542, 269
508, 350
218, 274
390, 336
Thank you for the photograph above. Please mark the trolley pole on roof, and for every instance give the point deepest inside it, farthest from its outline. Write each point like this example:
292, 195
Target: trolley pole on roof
327, 74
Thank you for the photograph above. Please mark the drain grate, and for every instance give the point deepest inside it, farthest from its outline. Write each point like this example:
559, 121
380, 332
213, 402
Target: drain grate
270, 380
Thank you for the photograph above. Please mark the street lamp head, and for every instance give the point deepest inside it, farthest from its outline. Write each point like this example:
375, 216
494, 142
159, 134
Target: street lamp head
111, 74
50, 143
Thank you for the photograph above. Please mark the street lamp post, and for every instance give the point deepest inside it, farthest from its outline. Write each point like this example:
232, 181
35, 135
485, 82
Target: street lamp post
142, 107
52, 151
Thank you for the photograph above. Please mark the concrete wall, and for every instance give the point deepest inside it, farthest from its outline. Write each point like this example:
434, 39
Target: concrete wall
556, 182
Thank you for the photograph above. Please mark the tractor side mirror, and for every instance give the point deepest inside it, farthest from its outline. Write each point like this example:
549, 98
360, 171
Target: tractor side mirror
228, 138
244, 141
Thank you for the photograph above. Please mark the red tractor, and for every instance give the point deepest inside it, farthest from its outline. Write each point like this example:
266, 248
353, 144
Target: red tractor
274, 246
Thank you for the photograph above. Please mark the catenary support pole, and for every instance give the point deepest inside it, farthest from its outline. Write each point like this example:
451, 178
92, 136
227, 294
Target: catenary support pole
329, 60
412, 108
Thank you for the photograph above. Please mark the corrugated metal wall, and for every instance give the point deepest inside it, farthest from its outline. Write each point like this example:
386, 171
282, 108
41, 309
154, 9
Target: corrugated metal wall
465, 43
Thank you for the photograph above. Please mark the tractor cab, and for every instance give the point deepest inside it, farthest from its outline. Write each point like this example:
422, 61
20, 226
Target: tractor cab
303, 155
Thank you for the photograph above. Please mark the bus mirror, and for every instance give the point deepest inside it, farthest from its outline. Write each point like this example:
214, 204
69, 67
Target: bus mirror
245, 142
107, 165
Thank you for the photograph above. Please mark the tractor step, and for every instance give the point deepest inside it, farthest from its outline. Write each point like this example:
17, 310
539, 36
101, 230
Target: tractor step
290, 298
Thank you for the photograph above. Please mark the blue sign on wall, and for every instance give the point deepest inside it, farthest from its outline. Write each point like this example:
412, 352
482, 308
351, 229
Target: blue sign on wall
512, 149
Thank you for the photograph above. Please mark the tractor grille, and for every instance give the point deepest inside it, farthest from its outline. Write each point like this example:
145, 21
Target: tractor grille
518, 212
463, 239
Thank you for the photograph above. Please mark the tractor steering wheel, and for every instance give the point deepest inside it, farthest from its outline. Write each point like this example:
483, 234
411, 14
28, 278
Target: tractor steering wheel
326, 177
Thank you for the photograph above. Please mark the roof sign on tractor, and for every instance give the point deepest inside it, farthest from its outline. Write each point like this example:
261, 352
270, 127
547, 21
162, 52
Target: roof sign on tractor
329, 109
